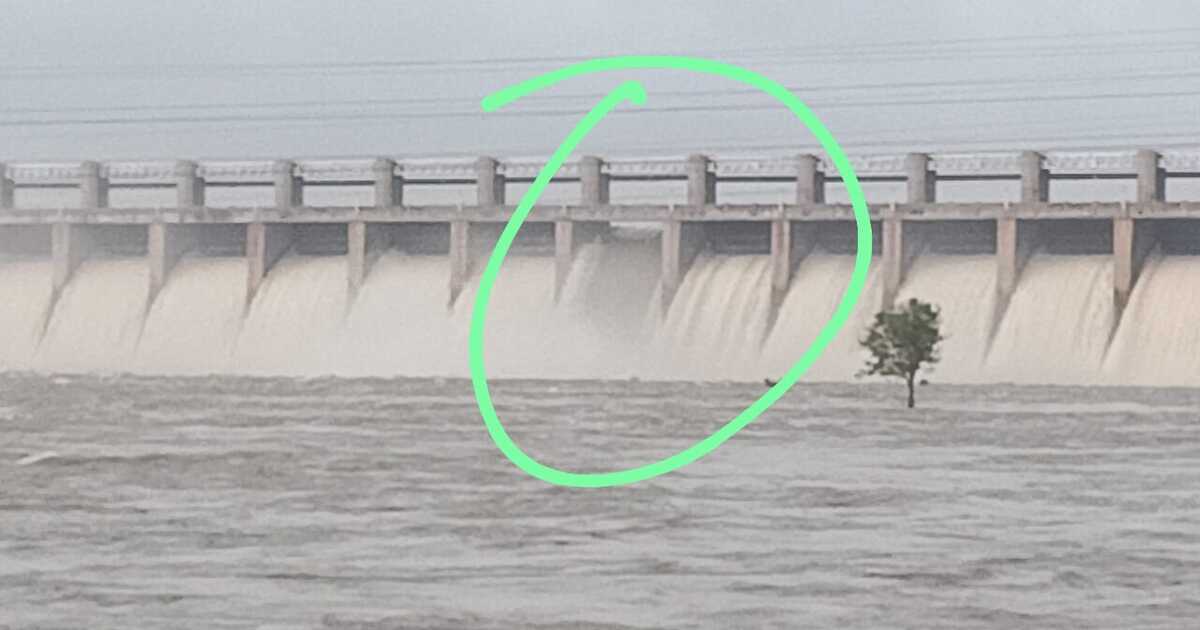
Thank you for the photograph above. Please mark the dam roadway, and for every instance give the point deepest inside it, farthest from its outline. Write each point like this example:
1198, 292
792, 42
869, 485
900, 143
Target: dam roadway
786, 231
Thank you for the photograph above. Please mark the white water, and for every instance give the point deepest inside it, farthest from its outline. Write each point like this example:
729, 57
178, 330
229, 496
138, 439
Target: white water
25, 293
295, 319
716, 322
607, 323
98, 317
1057, 325
964, 287
183, 334
818, 285
1158, 341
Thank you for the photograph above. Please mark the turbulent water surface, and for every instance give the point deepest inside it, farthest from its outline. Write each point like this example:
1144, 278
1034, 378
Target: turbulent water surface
133, 502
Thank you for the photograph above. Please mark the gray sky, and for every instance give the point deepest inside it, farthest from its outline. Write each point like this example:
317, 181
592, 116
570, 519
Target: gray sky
313, 78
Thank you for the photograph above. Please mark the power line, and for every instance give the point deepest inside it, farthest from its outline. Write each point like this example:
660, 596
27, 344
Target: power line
451, 115
593, 96
903, 50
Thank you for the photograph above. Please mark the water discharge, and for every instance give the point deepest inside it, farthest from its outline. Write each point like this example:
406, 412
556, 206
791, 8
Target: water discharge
607, 322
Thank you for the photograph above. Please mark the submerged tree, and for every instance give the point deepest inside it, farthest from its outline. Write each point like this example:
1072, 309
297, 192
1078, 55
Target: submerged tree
901, 341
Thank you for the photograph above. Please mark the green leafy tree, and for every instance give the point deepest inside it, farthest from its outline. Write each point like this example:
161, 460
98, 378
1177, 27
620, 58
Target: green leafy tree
902, 341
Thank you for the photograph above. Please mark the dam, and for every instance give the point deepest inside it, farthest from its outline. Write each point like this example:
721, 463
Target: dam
695, 268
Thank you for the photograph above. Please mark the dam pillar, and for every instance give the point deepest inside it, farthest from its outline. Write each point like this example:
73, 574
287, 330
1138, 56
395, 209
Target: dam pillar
900, 242
1133, 239
490, 186
7, 188
810, 180
593, 189
165, 245
460, 260
70, 244
189, 186
93, 186
266, 243
389, 186
289, 187
788, 247
682, 240
364, 241
1015, 241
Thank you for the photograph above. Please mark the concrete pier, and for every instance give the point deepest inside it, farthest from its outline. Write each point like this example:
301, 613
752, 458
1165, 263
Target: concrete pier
388, 184
266, 243
901, 243
466, 239
165, 245
289, 187
7, 189
460, 257
1133, 239
790, 245
568, 234
93, 186
364, 241
1016, 239
189, 186
682, 240
70, 245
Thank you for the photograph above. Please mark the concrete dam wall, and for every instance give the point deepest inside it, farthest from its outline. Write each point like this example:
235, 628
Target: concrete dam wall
360, 268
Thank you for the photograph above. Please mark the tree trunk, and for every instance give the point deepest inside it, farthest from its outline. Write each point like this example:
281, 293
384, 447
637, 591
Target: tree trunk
912, 402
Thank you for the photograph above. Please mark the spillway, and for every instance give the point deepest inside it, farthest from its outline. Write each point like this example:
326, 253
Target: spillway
1157, 340
193, 325
26, 288
1060, 325
1057, 326
98, 318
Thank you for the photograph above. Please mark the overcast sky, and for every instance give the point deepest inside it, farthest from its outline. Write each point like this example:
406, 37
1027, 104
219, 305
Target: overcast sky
313, 78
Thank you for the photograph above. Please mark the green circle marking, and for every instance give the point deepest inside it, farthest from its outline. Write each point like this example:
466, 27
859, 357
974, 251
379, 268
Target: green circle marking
635, 93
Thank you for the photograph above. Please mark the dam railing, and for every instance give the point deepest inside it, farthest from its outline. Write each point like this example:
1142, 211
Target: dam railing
786, 231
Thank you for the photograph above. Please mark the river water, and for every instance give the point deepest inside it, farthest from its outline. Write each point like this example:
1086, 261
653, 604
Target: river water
129, 502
